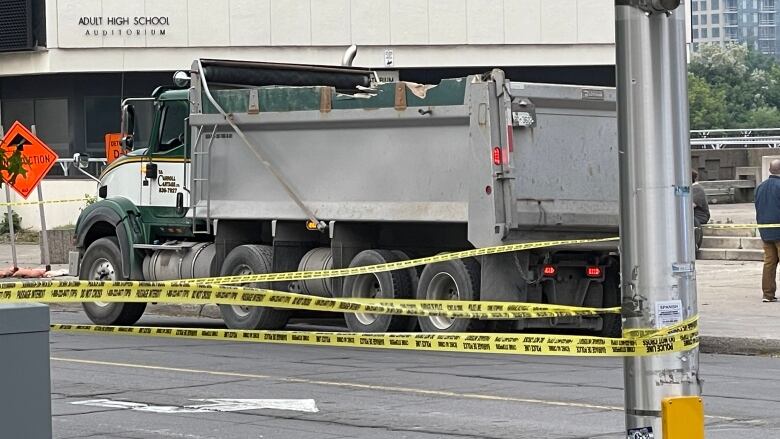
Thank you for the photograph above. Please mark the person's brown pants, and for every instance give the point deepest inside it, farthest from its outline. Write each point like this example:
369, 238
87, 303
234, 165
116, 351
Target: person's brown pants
771, 257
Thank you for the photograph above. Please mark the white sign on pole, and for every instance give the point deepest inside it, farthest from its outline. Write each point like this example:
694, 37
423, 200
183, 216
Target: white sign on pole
668, 313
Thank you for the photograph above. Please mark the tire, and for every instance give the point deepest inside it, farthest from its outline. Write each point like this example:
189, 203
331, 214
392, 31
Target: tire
456, 280
414, 276
612, 324
251, 259
102, 261
389, 285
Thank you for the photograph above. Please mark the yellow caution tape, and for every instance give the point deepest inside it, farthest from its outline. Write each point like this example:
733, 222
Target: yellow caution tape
158, 292
741, 226
392, 266
517, 344
25, 203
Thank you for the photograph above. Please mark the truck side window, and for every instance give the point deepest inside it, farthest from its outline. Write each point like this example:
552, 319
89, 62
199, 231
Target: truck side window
172, 132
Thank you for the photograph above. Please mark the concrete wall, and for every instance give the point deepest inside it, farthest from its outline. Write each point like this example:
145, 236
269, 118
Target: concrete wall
56, 214
721, 164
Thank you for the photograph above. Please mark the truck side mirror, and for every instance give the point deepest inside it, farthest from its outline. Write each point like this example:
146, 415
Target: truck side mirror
81, 160
128, 126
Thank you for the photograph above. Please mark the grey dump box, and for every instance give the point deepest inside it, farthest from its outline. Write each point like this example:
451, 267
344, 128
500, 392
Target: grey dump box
514, 161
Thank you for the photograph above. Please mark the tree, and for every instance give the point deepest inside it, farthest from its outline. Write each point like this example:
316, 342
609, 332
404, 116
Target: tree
707, 105
763, 117
741, 81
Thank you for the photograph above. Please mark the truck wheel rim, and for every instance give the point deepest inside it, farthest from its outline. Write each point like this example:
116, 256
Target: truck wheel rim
242, 311
102, 270
367, 286
442, 287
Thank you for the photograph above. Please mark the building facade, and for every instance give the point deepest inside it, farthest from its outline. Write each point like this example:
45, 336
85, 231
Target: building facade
751, 22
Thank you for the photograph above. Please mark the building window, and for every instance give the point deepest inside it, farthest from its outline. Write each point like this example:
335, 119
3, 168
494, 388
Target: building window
704, 19
695, 34
715, 5
704, 33
694, 6
50, 117
695, 20
715, 19
102, 116
715, 32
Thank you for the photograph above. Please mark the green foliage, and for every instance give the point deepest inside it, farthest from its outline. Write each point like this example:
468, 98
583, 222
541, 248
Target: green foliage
17, 220
707, 106
733, 87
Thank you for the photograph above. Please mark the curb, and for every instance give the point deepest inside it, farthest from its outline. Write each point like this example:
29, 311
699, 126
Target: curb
739, 346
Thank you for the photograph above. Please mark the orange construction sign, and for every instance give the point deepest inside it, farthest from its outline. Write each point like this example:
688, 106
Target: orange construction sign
113, 147
37, 159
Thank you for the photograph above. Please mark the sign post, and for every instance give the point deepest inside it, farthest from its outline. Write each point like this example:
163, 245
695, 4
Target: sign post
46, 257
10, 219
658, 277
37, 159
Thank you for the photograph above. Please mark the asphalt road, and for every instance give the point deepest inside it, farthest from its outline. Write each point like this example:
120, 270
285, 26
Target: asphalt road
364, 393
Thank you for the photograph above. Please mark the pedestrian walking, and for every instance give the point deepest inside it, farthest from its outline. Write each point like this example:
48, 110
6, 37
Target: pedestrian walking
701, 209
768, 212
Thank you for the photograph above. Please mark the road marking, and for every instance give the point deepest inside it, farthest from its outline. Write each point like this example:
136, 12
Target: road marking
408, 390
214, 405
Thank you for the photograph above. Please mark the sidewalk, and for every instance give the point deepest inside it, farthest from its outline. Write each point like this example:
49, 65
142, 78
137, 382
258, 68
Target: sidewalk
733, 318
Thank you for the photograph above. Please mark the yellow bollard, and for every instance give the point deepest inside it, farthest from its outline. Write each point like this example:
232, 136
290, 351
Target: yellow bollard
682, 417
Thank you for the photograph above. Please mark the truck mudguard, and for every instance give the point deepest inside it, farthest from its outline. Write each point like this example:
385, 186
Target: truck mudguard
122, 217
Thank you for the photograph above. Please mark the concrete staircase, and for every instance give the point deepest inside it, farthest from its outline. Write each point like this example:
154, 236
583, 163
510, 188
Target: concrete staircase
731, 245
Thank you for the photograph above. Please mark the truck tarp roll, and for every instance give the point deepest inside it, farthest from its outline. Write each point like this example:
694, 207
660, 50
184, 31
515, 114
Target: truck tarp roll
291, 77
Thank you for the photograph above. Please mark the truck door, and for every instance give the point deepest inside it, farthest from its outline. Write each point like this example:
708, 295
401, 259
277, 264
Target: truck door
167, 158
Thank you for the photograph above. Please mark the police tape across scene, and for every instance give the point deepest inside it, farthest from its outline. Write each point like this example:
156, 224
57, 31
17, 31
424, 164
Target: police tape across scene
681, 337
204, 294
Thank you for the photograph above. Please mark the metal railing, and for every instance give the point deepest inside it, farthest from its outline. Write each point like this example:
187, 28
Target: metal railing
736, 138
67, 165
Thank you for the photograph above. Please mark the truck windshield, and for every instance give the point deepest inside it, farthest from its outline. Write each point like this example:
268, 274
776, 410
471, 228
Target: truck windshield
172, 131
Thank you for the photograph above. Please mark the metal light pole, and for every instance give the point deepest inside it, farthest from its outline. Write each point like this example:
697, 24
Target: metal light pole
657, 244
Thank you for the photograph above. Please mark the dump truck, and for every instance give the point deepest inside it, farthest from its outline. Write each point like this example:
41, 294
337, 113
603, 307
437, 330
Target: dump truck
259, 167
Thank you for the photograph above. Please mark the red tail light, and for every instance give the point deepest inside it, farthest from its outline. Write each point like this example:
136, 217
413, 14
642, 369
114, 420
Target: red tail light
497, 156
549, 271
593, 271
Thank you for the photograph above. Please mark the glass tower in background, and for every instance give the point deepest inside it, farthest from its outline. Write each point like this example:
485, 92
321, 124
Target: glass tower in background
751, 22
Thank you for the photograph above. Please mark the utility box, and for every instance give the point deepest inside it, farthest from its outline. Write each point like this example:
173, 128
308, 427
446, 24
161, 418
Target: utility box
25, 381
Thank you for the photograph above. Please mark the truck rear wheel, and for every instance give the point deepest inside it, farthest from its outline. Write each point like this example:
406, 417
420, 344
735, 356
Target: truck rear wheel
449, 280
102, 262
251, 259
388, 285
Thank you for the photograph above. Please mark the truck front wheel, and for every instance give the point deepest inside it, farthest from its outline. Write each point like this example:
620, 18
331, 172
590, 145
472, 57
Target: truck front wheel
449, 280
102, 262
251, 259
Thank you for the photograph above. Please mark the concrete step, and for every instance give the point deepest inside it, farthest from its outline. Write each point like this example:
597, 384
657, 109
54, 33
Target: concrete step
730, 255
732, 242
746, 233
